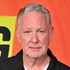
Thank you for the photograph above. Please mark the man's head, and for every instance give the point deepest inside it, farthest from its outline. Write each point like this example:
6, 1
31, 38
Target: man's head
34, 30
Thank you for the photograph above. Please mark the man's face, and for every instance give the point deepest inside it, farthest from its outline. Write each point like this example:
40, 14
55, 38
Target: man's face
34, 34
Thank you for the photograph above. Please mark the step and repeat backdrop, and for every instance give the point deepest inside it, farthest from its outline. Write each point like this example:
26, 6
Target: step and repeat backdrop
60, 17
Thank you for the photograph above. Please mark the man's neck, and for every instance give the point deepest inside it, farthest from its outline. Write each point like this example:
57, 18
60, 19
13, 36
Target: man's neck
36, 64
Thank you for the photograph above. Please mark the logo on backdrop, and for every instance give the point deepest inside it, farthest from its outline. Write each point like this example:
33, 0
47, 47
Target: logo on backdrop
7, 28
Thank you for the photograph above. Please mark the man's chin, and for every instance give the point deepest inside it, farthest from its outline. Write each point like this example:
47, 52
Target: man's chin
34, 56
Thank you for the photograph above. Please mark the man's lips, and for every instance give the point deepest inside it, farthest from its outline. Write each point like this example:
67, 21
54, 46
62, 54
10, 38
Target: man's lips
35, 48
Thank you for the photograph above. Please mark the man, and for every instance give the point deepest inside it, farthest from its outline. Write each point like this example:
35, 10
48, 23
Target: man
34, 33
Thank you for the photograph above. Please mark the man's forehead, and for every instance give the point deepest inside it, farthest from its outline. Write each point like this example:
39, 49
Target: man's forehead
33, 17
32, 14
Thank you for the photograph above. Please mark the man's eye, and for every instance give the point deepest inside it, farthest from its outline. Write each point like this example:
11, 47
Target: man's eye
27, 31
41, 32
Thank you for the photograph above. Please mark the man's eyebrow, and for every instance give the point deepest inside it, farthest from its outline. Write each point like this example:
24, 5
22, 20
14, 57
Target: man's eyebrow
28, 28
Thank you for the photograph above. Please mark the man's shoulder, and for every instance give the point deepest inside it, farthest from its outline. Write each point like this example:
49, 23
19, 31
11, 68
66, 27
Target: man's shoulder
12, 62
7, 64
62, 66
56, 64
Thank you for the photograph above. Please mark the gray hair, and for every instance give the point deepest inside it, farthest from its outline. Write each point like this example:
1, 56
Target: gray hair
36, 8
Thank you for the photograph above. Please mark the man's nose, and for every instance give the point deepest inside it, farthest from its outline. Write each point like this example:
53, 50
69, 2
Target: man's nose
34, 38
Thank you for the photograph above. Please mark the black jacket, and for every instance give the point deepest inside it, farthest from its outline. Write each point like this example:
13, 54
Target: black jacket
15, 63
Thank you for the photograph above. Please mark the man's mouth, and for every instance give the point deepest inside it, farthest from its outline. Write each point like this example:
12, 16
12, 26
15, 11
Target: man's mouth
35, 48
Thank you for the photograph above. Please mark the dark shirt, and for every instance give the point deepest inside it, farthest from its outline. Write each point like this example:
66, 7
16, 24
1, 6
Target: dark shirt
16, 63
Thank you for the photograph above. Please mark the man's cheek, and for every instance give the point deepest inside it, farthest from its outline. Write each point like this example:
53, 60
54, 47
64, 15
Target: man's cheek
25, 41
45, 41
